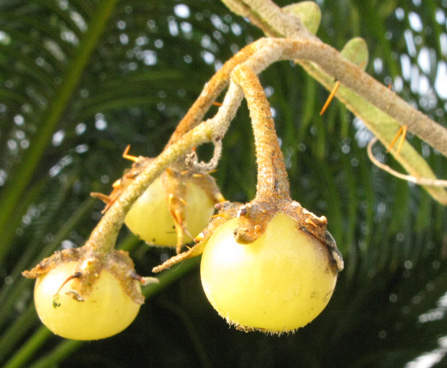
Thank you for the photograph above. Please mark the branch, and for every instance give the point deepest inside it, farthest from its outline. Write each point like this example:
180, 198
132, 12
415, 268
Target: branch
381, 110
257, 57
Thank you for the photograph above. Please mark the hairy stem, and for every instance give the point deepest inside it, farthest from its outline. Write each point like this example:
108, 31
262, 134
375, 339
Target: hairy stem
272, 174
368, 88
330, 61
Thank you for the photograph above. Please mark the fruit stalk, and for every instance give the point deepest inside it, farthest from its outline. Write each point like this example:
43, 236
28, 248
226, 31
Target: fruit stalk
272, 175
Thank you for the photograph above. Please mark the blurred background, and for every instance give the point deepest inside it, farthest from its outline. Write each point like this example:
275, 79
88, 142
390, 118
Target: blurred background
82, 79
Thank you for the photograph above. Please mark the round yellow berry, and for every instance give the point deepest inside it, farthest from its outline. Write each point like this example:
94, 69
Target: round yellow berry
107, 311
278, 283
150, 219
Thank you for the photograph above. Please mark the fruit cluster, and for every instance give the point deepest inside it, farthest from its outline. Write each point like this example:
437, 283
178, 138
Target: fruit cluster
267, 265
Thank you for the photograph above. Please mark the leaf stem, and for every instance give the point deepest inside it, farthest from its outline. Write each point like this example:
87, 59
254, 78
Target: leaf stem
409, 178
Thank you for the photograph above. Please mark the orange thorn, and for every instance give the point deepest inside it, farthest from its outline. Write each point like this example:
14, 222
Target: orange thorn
402, 139
330, 98
106, 208
103, 197
218, 104
170, 199
107, 199
310, 222
76, 275
137, 277
199, 237
129, 157
396, 137
116, 184
402, 132
177, 215
197, 175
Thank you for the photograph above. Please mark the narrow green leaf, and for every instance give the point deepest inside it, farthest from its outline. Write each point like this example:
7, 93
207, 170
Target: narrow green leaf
28, 349
16, 331
64, 349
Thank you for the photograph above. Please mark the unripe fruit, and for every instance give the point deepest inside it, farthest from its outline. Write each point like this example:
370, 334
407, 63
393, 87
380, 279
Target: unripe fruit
150, 219
278, 283
106, 311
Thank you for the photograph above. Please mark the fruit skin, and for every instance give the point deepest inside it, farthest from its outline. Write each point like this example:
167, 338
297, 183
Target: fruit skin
151, 220
107, 311
278, 283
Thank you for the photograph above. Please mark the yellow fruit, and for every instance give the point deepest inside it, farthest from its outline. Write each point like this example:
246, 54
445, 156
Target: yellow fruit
107, 311
278, 283
150, 219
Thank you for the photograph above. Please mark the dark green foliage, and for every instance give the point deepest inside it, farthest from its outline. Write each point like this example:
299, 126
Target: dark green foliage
79, 80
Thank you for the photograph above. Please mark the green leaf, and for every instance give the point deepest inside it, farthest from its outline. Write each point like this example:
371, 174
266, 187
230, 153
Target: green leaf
308, 11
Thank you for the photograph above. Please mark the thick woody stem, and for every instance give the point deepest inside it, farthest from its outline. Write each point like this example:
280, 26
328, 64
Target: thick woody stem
368, 88
264, 52
351, 76
272, 174
274, 23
